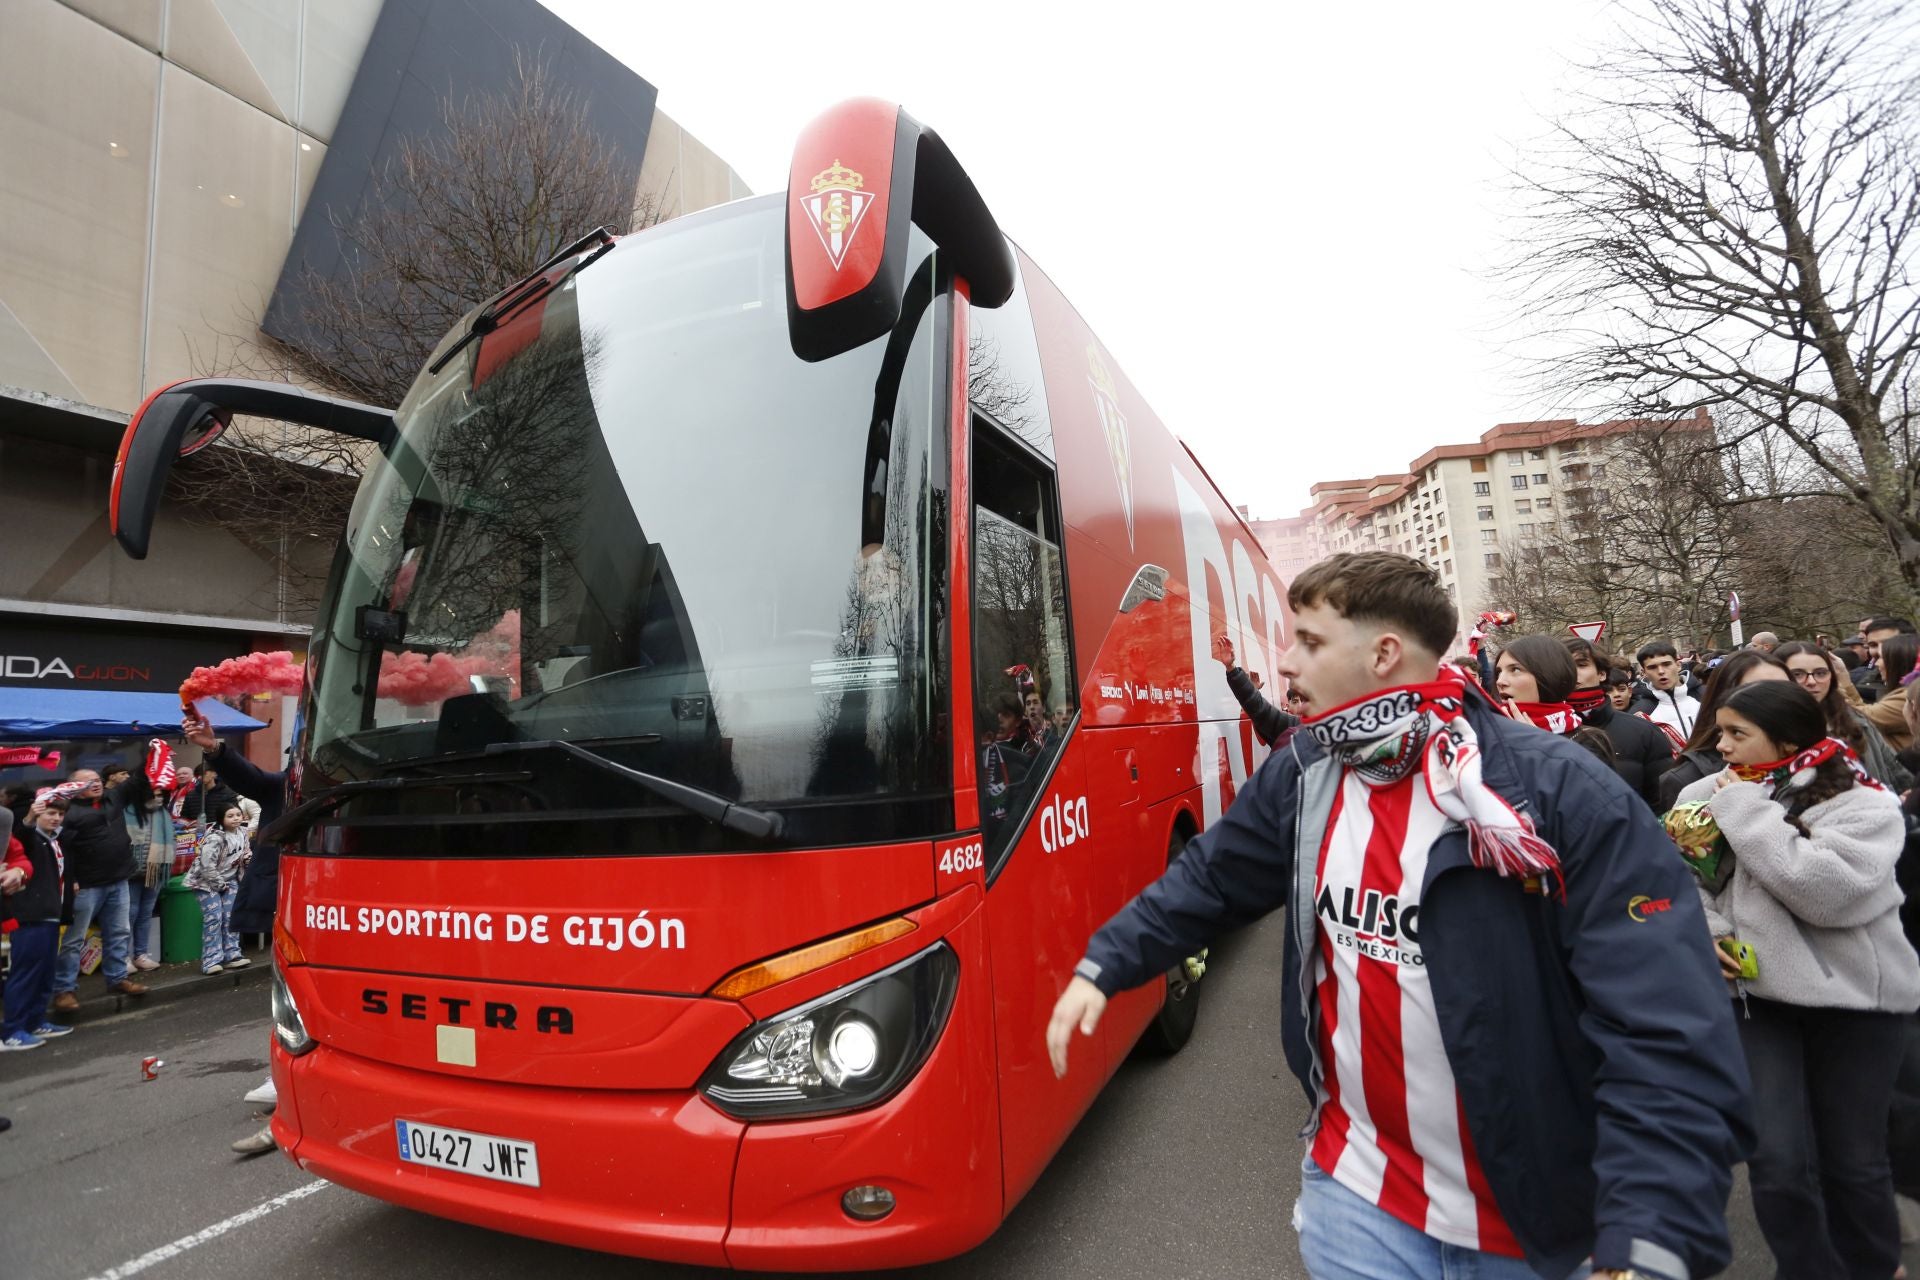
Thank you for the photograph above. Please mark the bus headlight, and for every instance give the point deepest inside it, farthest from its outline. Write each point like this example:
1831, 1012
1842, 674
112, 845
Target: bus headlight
287, 1027
851, 1048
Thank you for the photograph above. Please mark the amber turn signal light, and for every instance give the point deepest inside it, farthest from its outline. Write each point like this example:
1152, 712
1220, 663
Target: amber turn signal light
285, 948
742, 983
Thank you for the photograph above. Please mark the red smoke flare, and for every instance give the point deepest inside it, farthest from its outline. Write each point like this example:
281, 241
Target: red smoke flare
250, 673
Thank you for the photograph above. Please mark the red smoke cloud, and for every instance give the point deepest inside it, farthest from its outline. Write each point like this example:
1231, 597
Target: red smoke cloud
250, 673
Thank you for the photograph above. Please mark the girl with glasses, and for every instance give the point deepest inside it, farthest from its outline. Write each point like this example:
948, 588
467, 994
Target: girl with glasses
1812, 668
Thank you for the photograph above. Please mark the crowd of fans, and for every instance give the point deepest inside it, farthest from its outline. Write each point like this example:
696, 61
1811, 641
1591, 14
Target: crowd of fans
86, 860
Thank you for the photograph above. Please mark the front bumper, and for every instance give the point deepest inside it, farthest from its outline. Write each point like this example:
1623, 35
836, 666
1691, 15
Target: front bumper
663, 1174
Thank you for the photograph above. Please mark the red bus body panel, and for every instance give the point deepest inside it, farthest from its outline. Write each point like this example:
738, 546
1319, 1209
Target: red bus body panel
733, 910
1162, 744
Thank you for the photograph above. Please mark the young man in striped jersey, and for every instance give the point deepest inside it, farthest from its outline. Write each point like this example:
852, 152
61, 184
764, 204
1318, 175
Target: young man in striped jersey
1500, 994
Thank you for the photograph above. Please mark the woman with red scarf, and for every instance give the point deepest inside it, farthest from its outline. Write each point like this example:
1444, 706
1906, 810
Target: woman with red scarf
1535, 677
1828, 976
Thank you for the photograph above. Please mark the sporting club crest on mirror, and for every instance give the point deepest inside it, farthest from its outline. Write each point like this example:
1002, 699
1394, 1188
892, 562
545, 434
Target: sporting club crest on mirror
836, 206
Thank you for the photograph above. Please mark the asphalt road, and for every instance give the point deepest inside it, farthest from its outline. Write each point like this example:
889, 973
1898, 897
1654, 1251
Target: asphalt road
1184, 1168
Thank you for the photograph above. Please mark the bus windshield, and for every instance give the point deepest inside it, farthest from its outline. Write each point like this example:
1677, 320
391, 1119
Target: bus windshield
650, 528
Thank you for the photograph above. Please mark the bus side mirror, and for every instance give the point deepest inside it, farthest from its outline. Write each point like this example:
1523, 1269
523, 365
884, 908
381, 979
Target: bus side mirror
861, 174
186, 417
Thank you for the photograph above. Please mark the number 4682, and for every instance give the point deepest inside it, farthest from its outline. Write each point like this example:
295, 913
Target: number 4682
961, 858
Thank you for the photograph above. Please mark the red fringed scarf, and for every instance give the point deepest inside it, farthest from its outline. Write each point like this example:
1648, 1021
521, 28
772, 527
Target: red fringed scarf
1387, 735
1786, 774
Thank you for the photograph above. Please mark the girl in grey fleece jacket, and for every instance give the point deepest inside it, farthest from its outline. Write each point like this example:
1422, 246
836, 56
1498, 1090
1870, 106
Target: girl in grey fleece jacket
1821, 910
1823, 1024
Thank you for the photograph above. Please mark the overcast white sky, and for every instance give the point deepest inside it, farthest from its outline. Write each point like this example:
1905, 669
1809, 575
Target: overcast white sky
1278, 218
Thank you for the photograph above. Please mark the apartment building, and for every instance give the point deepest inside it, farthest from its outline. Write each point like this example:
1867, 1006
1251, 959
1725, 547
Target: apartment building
1461, 507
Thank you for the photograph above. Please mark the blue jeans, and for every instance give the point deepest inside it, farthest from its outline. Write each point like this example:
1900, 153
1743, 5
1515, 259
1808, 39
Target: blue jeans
30, 980
218, 942
1342, 1237
105, 904
141, 900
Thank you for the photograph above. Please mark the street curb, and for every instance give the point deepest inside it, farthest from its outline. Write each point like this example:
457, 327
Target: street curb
108, 1004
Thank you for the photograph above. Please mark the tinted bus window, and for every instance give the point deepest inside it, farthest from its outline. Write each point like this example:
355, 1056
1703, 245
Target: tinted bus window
1004, 380
1024, 695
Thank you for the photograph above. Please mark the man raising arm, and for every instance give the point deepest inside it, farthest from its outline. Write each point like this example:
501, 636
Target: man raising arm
1498, 992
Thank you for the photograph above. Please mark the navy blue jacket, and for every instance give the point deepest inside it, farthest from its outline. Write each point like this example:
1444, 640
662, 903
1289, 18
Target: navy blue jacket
1270, 723
253, 905
1592, 1040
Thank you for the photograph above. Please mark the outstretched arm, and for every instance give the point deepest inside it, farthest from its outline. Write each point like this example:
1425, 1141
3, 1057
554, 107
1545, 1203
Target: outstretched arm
242, 774
1233, 873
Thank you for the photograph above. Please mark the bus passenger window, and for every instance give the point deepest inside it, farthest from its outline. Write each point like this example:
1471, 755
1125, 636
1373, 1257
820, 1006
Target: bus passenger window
1024, 694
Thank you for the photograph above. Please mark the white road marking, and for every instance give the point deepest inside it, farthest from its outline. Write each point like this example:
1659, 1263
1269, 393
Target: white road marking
218, 1229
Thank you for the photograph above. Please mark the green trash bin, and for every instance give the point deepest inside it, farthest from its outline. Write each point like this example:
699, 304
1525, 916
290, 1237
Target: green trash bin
179, 923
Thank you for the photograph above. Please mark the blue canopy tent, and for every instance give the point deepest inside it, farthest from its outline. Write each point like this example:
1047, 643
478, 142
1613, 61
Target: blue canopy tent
45, 715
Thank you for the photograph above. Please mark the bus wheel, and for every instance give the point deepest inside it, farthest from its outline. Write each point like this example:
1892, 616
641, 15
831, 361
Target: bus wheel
1172, 1027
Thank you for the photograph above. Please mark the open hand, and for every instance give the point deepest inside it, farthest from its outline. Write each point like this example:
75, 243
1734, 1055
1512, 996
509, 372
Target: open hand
1223, 649
1079, 1008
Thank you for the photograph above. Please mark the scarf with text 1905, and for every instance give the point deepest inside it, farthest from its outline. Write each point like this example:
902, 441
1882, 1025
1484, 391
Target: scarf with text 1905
1387, 735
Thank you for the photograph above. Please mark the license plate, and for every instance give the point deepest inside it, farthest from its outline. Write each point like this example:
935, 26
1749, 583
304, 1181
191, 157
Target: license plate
480, 1154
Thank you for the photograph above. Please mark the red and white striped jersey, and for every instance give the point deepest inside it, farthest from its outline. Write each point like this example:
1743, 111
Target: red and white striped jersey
1391, 1125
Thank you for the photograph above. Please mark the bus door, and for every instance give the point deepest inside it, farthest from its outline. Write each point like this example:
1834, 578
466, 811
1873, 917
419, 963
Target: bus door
1040, 845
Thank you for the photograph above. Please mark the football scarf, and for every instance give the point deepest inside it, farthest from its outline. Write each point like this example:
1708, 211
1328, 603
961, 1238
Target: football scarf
1555, 717
1794, 772
1588, 701
1387, 735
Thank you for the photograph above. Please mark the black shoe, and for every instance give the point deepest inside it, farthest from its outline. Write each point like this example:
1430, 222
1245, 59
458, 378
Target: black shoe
5, 1124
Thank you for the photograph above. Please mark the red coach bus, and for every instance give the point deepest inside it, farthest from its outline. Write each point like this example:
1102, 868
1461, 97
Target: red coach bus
762, 651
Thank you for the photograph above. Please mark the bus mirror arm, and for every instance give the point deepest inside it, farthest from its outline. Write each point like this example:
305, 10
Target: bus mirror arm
186, 417
758, 823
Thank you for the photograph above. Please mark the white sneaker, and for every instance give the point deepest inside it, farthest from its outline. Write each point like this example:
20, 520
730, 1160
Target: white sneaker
241, 963
212, 968
145, 963
255, 1144
263, 1094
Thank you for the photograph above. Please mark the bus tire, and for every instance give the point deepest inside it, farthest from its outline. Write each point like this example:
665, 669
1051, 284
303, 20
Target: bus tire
1172, 1027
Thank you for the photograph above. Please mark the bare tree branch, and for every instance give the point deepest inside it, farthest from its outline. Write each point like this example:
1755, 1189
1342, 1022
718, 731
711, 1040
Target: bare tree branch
1728, 220
506, 180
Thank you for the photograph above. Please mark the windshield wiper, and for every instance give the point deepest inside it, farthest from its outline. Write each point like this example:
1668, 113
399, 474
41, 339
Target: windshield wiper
302, 815
510, 300
715, 808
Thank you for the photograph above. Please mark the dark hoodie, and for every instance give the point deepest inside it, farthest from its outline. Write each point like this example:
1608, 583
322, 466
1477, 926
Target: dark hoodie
94, 836
1641, 753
